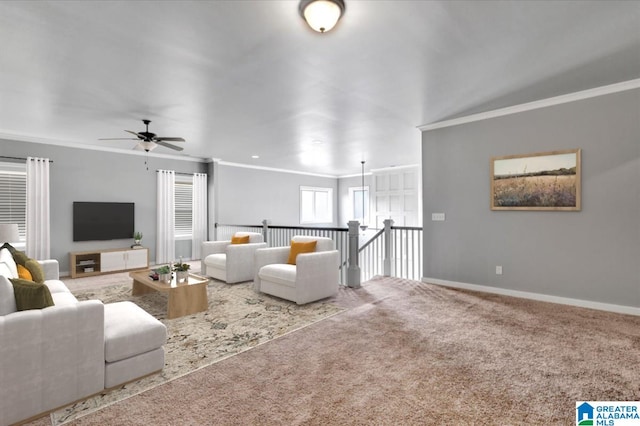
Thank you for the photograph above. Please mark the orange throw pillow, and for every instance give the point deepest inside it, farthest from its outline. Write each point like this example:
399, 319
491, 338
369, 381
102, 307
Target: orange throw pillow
24, 273
298, 248
240, 240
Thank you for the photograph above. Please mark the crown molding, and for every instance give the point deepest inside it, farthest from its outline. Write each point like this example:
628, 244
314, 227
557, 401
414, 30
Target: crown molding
381, 170
273, 169
392, 168
355, 175
66, 144
543, 103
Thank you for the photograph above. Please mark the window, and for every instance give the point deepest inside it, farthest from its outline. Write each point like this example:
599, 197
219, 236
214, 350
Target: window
13, 195
316, 205
183, 206
356, 195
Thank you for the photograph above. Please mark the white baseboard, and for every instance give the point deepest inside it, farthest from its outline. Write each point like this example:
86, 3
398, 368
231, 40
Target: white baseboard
620, 309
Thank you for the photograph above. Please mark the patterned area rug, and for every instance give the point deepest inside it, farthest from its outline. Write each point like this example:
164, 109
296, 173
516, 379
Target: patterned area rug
238, 319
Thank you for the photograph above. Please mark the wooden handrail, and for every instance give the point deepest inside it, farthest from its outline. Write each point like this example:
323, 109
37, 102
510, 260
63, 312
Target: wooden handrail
239, 226
371, 240
408, 228
321, 228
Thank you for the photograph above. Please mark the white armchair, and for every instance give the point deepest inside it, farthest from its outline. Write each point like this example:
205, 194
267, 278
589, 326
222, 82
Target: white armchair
232, 263
313, 277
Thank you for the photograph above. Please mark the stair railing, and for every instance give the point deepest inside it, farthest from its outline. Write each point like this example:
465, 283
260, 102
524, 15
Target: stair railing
392, 251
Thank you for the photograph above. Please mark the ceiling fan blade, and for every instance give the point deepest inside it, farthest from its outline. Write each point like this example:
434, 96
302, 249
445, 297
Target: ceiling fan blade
147, 141
135, 133
168, 145
163, 138
118, 139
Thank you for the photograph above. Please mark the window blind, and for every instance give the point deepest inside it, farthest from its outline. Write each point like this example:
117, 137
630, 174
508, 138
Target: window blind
184, 210
13, 196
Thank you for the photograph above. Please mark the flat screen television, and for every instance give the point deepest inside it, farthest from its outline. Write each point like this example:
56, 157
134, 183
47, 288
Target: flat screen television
102, 221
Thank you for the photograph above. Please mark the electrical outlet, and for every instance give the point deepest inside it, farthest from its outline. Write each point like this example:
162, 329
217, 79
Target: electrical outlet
498, 270
437, 217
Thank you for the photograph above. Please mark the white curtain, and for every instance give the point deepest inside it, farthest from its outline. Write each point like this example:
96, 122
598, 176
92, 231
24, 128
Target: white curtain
199, 214
165, 235
38, 224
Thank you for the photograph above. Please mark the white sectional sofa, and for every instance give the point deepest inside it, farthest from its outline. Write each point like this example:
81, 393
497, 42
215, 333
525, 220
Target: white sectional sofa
55, 356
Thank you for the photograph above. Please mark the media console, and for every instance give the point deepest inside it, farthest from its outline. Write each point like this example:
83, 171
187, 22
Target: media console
97, 262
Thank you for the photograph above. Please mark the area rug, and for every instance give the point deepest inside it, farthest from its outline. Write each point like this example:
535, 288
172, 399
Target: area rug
238, 319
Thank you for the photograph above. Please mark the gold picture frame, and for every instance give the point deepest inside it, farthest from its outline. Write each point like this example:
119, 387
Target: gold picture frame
540, 181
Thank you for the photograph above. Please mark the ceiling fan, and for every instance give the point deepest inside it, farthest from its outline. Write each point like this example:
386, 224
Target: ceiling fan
149, 141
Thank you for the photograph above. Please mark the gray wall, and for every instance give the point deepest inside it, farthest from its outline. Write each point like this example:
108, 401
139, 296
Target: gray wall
591, 255
246, 196
89, 175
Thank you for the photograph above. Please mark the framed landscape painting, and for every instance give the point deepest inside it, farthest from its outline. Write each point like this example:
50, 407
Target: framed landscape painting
542, 181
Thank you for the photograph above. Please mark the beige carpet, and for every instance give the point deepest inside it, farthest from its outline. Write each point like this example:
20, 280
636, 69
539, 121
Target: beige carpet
238, 319
410, 353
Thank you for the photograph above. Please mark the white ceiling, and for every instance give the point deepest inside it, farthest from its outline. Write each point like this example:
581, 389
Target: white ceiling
242, 78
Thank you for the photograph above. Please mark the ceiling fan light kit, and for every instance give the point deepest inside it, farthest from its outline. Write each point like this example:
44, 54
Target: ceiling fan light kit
321, 15
146, 146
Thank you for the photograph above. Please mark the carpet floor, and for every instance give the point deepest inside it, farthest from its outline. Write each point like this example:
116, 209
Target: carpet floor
406, 352
237, 319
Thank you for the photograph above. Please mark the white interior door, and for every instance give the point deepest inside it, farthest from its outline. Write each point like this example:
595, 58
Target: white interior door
397, 196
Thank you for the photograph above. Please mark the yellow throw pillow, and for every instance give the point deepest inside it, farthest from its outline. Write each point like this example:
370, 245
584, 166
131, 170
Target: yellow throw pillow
240, 240
24, 273
299, 248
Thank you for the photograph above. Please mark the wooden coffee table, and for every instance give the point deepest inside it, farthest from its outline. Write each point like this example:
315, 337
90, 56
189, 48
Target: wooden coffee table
185, 298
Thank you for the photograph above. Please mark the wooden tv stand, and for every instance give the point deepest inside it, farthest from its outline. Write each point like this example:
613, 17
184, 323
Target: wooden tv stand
98, 262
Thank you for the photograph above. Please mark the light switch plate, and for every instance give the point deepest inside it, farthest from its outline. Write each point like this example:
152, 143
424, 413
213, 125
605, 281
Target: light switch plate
437, 217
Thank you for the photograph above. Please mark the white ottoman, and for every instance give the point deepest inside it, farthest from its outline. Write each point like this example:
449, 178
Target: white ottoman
133, 343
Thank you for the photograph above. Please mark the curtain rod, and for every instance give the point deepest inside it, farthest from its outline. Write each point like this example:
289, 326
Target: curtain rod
18, 158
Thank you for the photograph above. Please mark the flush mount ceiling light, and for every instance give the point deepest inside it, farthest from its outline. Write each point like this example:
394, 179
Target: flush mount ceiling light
321, 15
